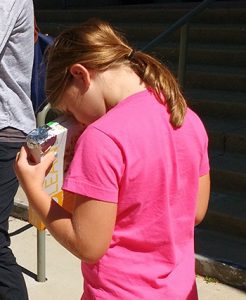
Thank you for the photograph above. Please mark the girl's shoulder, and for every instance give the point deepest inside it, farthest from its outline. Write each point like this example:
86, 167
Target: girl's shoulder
193, 117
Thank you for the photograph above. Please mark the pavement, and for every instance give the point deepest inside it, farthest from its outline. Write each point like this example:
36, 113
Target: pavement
62, 270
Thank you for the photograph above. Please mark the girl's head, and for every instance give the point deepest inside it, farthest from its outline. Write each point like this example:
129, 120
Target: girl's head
97, 47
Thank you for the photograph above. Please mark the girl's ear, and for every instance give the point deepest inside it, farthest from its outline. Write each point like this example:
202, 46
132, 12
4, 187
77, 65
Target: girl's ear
80, 73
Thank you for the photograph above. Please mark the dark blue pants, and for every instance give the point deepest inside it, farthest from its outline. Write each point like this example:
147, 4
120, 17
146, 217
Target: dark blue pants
12, 284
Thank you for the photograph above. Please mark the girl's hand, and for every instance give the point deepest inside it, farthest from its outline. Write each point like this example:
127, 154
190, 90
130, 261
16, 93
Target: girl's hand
31, 176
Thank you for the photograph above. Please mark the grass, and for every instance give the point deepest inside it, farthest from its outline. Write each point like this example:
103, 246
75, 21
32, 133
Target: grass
210, 279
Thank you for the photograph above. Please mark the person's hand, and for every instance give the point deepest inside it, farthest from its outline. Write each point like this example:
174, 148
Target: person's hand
31, 176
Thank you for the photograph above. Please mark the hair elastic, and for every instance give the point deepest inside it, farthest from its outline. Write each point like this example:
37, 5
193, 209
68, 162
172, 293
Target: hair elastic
131, 55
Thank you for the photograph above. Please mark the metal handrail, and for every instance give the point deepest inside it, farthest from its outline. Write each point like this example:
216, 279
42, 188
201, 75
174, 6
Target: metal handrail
183, 24
183, 20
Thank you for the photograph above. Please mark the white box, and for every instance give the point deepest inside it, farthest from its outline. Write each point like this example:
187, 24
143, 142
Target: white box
60, 136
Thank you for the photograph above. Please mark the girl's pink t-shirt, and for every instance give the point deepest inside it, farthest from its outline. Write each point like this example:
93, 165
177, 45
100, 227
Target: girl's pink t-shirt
132, 156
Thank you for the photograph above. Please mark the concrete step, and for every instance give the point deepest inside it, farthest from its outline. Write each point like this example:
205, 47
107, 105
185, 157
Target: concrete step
221, 256
226, 136
228, 173
226, 214
233, 142
219, 104
224, 116
204, 54
212, 77
231, 34
120, 13
215, 77
153, 13
206, 33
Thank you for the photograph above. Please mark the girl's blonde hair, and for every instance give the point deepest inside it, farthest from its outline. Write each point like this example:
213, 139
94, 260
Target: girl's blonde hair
97, 46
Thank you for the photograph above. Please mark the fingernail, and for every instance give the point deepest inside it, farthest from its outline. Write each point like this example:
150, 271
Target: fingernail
55, 154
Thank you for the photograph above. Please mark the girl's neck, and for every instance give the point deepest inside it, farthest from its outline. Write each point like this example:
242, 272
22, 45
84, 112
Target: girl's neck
120, 83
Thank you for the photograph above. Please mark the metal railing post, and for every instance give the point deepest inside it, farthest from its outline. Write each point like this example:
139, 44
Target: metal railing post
64, 4
181, 23
182, 54
41, 263
42, 115
41, 256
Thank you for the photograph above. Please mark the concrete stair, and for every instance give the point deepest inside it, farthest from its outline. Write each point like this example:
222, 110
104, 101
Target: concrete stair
215, 88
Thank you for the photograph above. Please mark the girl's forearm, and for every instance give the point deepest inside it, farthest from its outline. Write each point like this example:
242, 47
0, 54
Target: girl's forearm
56, 219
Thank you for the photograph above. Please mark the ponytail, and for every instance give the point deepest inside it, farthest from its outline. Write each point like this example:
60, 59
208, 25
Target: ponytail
165, 87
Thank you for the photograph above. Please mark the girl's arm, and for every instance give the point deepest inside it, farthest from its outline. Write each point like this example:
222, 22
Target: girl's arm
203, 198
87, 232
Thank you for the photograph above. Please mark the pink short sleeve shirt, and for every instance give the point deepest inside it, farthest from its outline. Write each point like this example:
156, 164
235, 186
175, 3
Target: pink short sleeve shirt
132, 156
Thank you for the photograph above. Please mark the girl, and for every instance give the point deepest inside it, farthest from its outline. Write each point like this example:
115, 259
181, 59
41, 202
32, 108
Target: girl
140, 173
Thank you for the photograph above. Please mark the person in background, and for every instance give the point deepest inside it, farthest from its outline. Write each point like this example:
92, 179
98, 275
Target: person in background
41, 41
16, 120
140, 173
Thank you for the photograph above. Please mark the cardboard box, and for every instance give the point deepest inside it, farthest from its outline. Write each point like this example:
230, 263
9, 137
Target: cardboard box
60, 136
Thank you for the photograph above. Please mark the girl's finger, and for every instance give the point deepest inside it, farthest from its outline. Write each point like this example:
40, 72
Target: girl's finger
47, 150
22, 154
48, 158
17, 156
49, 161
